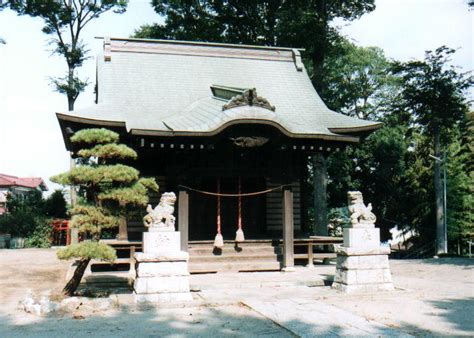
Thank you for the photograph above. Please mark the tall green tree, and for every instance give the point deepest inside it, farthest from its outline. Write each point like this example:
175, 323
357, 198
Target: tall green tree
358, 82
460, 184
107, 189
433, 95
65, 21
298, 23
55, 206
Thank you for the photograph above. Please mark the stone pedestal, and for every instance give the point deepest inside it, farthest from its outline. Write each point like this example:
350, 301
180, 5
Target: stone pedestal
362, 264
162, 269
362, 269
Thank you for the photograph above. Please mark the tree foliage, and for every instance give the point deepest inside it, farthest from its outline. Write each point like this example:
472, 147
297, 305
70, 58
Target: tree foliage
358, 82
433, 92
433, 95
2, 6
65, 21
55, 206
29, 216
107, 189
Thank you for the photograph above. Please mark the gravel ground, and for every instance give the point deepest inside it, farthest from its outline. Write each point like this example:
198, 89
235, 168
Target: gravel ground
433, 298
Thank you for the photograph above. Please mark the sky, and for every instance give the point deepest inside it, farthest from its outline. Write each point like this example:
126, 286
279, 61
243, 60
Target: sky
30, 138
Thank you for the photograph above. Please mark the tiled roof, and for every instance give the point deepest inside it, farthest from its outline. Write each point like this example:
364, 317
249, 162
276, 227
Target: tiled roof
8, 181
165, 87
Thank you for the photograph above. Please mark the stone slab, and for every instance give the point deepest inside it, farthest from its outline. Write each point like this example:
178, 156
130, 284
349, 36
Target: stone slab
163, 297
380, 250
158, 269
362, 262
161, 242
161, 229
305, 317
364, 276
361, 237
162, 257
363, 225
171, 284
363, 288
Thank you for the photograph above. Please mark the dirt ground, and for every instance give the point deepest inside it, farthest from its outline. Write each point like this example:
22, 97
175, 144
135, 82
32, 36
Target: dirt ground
433, 297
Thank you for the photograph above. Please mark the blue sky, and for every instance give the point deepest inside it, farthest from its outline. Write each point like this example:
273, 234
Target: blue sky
30, 139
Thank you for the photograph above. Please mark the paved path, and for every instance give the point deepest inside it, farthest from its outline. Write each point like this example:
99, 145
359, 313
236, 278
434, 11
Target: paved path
308, 318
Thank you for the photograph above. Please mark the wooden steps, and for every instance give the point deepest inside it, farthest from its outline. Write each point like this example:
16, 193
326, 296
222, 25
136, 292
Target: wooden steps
252, 255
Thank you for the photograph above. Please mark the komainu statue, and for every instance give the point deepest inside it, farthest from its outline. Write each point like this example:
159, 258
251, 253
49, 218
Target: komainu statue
161, 218
361, 215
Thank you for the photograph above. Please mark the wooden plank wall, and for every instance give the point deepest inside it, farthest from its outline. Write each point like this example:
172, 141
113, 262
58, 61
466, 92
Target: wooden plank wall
274, 206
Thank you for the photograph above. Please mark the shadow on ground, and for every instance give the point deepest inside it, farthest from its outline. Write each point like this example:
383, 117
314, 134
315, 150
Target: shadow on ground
458, 312
456, 261
235, 320
231, 320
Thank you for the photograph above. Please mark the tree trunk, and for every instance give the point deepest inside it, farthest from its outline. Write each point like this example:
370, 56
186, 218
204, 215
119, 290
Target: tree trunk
70, 98
440, 245
320, 179
73, 283
319, 53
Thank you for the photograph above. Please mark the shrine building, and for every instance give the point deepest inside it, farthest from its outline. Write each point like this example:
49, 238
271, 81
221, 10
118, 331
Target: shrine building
228, 128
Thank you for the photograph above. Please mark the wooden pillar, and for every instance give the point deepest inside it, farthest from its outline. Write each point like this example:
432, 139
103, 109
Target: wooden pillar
320, 182
123, 231
288, 225
183, 218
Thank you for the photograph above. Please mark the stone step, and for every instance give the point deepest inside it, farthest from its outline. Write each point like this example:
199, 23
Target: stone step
231, 243
117, 261
114, 278
233, 267
234, 258
230, 250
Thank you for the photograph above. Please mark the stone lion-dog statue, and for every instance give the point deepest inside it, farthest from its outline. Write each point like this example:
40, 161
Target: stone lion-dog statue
161, 218
361, 215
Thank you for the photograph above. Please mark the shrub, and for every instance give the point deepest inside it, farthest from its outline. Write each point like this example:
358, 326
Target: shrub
42, 234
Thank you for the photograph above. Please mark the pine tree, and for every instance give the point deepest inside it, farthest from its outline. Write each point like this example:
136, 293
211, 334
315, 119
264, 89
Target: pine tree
107, 188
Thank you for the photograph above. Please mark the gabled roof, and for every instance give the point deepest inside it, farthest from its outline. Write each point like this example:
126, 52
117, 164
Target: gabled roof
9, 181
169, 88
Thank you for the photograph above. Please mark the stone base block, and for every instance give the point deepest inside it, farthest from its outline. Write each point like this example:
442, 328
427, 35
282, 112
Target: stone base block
363, 251
363, 288
361, 237
179, 256
163, 297
160, 242
161, 269
362, 276
164, 284
362, 273
362, 262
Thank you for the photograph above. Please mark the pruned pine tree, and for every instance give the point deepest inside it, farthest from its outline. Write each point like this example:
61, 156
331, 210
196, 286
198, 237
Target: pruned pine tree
107, 190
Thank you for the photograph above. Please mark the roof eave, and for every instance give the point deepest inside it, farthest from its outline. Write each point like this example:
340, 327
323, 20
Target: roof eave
359, 129
64, 118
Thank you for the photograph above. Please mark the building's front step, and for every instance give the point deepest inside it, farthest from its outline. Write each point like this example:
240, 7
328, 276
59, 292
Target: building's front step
247, 266
251, 255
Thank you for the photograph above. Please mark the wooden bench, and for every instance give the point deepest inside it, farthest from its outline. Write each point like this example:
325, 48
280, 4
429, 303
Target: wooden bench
318, 241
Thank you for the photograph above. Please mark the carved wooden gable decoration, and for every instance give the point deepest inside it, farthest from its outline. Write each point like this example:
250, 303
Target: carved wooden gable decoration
248, 98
